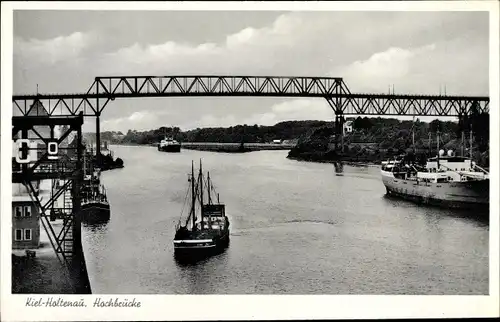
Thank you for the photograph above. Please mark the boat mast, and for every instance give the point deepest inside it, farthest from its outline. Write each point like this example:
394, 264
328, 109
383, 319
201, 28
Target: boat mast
201, 194
413, 134
209, 198
193, 196
437, 150
84, 163
463, 142
430, 149
471, 142
208, 184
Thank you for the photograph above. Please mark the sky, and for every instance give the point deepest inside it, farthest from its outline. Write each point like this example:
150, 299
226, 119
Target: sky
416, 52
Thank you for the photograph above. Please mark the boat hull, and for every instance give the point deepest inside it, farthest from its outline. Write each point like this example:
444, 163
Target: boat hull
95, 212
170, 148
195, 250
461, 195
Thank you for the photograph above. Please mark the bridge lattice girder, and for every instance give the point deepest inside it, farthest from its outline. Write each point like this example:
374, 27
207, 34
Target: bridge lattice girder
334, 90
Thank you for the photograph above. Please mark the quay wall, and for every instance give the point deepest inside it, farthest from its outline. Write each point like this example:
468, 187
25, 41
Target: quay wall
235, 147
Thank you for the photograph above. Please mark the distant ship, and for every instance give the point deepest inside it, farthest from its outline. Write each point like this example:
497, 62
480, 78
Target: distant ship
169, 145
209, 235
449, 181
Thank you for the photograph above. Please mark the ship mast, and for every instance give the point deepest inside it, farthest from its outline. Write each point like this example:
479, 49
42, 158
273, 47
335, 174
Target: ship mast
84, 163
463, 142
430, 148
413, 134
471, 142
437, 150
208, 185
193, 196
201, 194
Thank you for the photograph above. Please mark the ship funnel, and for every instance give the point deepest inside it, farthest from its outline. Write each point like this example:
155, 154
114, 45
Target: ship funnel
441, 153
450, 153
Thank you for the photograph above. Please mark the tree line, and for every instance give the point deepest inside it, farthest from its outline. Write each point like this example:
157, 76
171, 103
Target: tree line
383, 133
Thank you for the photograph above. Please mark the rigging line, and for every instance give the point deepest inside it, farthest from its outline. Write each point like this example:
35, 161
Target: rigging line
211, 187
196, 186
184, 204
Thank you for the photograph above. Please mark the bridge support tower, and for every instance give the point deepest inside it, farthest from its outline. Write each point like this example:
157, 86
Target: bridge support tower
64, 167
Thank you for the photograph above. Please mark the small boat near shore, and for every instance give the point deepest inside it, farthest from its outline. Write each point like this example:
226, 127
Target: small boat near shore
207, 235
94, 205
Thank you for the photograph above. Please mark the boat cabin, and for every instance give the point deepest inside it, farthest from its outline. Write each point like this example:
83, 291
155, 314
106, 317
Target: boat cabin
456, 168
434, 177
450, 163
214, 215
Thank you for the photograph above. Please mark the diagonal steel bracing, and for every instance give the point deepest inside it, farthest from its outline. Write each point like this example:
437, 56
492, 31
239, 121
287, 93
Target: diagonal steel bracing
62, 166
333, 89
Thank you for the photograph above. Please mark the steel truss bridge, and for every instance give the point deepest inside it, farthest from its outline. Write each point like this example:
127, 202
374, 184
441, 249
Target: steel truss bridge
70, 109
333, 89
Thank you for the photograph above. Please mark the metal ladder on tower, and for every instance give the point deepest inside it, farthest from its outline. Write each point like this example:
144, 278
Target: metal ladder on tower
67, 242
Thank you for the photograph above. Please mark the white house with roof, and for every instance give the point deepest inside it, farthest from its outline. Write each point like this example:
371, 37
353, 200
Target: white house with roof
348, 127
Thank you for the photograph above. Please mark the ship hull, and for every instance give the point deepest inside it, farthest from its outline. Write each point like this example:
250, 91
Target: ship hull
170, 148
193, 250
95, 212
461, 195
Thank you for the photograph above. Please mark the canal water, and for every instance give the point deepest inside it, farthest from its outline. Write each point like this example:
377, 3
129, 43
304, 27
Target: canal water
296, 228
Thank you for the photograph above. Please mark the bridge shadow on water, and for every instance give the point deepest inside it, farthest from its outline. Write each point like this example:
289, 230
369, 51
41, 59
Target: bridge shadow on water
477, 215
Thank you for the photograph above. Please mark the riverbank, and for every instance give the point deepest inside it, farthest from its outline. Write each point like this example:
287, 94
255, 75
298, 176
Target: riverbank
235, 147
226, 147
344, 162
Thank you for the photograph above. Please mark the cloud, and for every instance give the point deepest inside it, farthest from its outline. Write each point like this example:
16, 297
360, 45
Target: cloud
390, 65
246, 51
140, 120
51, 51
424, 70
290, 110
416, 52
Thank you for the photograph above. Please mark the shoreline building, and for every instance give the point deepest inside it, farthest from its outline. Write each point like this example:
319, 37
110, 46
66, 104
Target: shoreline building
25, 219
25, 212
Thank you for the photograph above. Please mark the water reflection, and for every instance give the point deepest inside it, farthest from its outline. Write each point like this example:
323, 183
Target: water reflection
480, 217
101, 226
339, 167
203, 276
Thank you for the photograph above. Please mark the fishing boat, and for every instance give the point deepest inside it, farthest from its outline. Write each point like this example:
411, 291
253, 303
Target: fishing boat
95, 207
207, 235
